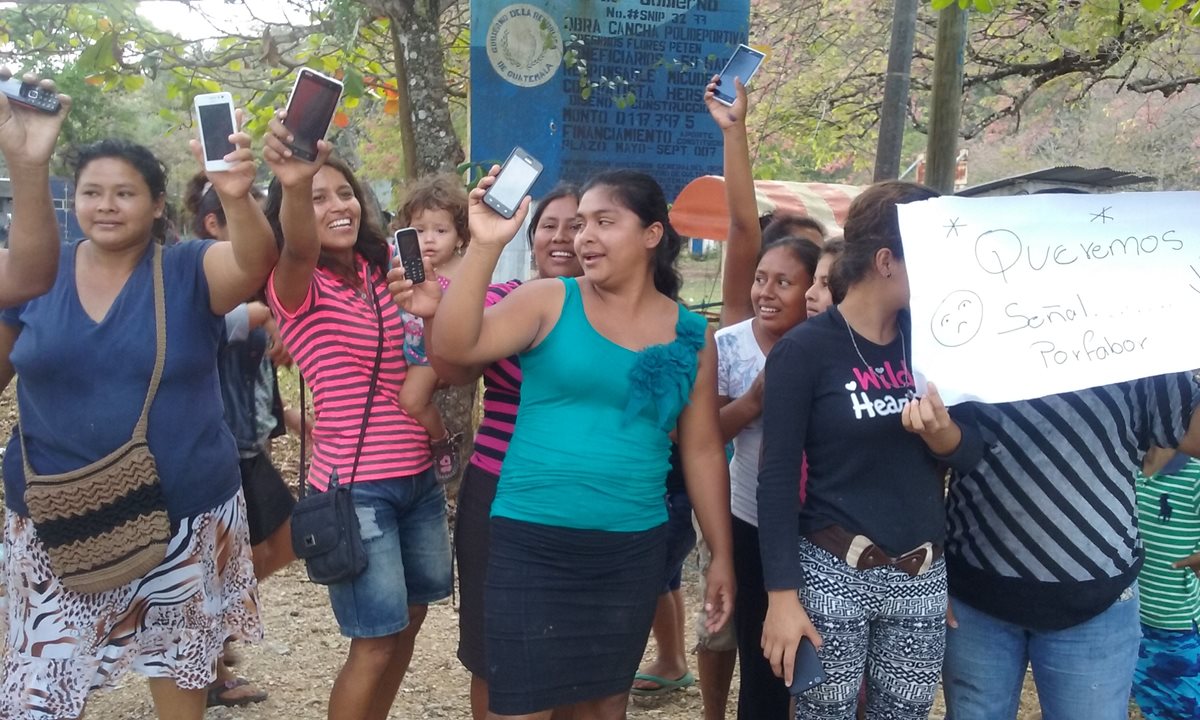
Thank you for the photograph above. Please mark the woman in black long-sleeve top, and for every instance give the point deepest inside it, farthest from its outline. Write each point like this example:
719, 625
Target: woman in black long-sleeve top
858, 565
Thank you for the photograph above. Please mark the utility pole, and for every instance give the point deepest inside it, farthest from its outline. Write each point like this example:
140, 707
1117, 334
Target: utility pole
893, 115
946, 112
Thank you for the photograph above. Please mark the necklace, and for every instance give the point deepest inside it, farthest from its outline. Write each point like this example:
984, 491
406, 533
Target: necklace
867, 365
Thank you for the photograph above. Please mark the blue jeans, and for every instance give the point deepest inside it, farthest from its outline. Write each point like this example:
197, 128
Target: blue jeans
405, 533
1084, 671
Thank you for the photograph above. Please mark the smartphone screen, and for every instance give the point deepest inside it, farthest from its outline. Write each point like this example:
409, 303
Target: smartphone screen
216, 124
742, 65
517, 176
310, 110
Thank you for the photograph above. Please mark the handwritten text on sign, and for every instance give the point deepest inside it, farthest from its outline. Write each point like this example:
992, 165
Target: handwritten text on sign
1022, 297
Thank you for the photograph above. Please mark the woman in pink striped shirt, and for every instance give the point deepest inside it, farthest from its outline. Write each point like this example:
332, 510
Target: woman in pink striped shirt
329, 293
552, 237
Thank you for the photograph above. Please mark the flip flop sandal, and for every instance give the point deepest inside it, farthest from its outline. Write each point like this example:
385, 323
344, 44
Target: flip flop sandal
217, 691
664, 685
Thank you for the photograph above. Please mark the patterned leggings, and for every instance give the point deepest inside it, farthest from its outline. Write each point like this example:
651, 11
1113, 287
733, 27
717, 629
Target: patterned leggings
881, 622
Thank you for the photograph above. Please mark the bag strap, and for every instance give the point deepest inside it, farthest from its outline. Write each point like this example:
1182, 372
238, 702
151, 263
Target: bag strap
160, 356
362, 432
160, 352
303, 434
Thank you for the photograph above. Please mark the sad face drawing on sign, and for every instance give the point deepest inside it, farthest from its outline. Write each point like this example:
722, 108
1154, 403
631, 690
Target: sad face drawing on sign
957, 319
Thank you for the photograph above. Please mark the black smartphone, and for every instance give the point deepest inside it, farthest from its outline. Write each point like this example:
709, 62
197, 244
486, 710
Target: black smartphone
518, 174
742, 65
807, 671
310, 109
406, 247
31, 96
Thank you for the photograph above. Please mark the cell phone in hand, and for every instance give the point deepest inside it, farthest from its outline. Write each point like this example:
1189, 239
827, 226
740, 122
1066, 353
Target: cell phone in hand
518, 174
744, 63
30, 95
406, 246
214, 114
310, 109
807, 671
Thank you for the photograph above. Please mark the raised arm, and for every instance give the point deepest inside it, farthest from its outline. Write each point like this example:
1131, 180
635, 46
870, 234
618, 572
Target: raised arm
297, 220
707, 476
745, 235
467, 334
237, 269
27, 137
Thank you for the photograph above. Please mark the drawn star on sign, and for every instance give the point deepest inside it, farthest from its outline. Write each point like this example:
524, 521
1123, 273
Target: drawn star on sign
954, 227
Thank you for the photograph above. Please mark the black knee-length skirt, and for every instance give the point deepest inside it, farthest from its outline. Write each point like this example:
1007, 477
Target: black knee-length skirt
567, 612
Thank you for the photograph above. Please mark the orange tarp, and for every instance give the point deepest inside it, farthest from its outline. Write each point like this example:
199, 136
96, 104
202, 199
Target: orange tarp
700, 210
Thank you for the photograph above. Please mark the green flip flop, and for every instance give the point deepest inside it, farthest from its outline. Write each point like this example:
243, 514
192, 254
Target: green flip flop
664, 685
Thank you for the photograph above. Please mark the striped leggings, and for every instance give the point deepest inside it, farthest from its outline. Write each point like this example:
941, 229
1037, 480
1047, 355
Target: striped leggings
880, 622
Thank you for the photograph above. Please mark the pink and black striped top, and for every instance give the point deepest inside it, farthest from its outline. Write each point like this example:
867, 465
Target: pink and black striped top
333, 337
501, 396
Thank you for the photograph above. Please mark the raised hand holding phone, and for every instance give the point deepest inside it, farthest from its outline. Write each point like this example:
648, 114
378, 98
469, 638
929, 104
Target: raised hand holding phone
310, 109
28, 136
743, 65
420, 299
283, 162
237, 177
489, 229
516, 177
726, 115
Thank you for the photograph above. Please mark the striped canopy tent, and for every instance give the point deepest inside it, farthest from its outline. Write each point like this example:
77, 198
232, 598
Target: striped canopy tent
700, 211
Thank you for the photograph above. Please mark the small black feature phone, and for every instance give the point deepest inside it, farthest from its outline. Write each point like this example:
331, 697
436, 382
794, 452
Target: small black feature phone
406, 246
31, 96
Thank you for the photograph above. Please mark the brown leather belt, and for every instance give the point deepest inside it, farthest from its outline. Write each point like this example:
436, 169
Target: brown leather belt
860, 553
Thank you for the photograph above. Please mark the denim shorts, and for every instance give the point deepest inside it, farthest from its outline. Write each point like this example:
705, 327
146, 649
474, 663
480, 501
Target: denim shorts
404, 531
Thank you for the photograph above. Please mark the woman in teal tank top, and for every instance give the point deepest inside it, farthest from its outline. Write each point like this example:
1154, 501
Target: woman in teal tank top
612, 366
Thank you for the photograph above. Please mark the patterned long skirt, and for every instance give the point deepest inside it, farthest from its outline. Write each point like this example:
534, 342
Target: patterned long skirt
170, 623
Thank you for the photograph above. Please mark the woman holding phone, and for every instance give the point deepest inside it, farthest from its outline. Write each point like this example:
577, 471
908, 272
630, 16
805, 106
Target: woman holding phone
86, 354
329, 293
858, 564
611, 364
552, 239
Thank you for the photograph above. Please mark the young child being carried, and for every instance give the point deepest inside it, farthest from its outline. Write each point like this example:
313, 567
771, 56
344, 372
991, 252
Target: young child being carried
436, 208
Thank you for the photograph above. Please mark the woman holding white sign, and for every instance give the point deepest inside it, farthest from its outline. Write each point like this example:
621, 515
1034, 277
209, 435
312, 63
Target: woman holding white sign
868, 578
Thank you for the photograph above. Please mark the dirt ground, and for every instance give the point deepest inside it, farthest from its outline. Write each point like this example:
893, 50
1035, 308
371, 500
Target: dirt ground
302, 652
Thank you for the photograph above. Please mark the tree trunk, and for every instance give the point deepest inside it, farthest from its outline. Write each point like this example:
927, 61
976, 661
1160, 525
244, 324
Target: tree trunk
421, 67
945, 115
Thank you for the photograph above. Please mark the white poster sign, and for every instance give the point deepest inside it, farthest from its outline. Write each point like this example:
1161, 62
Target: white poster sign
1022, 297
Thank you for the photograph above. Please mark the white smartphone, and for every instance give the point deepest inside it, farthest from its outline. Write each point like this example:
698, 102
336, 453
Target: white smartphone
744, 63
214, 113
518, 174
310, 109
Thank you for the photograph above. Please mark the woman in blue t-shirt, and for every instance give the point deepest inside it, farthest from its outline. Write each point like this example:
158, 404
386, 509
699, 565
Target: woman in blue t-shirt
612, 365
85, 353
